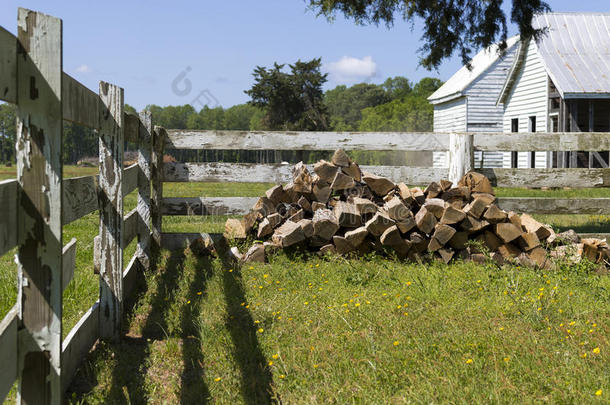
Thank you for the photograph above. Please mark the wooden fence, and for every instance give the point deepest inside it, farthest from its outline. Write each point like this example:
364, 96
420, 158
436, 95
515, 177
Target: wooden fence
36, 206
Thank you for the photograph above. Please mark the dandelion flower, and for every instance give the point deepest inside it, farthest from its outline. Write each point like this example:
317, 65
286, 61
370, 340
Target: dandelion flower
265, 275
396, 343
270, 363
598, 393
188, 302
257, 321
199, 293
572, 323
306, 302
357, 304
282, 376
501, 328
251, 268
275, 356
596, 350
469, 361
406, 314
506, 359
584, 355
315, 366
260, 330
217, 379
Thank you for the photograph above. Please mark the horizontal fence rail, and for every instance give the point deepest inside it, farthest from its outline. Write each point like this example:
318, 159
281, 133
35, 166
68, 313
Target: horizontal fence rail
383, 141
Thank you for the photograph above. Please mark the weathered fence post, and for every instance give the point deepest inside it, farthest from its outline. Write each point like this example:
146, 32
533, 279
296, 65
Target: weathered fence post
144, 162
157, 185
461, 156
39, 173
111, 210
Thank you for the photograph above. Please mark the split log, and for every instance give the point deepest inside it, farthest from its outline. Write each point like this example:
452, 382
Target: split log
459, 240
307, 227
515, 219
436, 206
326, 171
277, 195
476, 182
418, 195
341, 159
487, 197
495, 215
472, 225
264, 206
425, 220
317, 206
321, 193
406, 225
397, 210
443, 233
476, 207
342, 246
357, 236
509, 251
491, 241
297, 216
452, 216
347, 214
378, 185
255, 254
445, 185
290, 233
379, 224
275, 220
405, 193
365, 206
433, 190
446, 254
528, 241
533, 226
507, 232
353, 170
325, 224
301, 179
264, 229
305, 204
342, 182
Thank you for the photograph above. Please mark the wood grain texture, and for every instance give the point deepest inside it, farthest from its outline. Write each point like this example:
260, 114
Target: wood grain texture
8, 215
144, 178
80, 104
576, 178
110, 194
530, 142
68, 263
208, 205
79, 198
178, 241
157, 178
39, 230
590, 206
461, 156
8, 66
77, 344
132, 127
130, 178
8, 351
425, 141
286, 140
278, 173
130, 227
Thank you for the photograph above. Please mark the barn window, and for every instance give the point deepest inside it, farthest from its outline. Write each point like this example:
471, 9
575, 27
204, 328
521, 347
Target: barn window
532, 124
514, 125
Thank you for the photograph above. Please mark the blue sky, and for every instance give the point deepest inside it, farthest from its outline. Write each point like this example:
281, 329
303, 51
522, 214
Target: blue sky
144, 46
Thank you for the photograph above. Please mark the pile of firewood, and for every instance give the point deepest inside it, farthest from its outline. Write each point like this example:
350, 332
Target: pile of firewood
339, 209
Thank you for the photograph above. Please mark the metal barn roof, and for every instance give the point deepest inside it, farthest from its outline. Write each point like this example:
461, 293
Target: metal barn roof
575, 51
454, 87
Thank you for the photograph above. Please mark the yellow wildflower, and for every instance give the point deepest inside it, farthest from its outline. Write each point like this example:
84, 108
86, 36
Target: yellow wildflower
260, 330
217, 379
598, 393
469, 361
596, 350
396, 343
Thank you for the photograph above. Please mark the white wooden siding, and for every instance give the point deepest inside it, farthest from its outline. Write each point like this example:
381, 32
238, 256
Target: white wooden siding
448, 117
528, 97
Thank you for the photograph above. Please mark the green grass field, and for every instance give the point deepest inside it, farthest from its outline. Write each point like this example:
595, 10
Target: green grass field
303, 329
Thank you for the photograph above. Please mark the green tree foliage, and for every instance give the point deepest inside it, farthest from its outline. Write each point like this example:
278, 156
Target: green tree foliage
291, 101
7, 133
175, 117
397, 87
409, 114
345, 104
449, 25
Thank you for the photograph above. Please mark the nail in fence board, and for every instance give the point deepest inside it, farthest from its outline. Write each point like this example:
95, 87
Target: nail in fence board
111, 210
39, 230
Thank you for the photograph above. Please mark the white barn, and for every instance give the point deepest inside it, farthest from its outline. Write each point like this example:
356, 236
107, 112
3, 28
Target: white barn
561, 83
467, 102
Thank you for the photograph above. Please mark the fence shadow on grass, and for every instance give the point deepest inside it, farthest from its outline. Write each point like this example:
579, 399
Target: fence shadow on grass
257, 380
